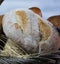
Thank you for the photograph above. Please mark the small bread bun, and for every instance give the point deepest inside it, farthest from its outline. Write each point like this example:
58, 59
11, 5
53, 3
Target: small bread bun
30, 31
36, 10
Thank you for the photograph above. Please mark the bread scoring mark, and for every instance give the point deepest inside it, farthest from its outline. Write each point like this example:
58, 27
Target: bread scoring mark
45, 30
16, 25
23, 17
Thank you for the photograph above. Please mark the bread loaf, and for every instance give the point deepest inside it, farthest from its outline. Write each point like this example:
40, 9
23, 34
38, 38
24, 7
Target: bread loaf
30, 31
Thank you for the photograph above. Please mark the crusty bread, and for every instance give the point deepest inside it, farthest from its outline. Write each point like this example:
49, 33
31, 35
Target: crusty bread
36, 10
30, 31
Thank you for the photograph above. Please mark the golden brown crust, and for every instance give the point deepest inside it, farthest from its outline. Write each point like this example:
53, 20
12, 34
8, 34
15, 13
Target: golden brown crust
36, 10
55, 20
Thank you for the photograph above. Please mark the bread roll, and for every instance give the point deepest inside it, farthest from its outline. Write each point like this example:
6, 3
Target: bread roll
30, 31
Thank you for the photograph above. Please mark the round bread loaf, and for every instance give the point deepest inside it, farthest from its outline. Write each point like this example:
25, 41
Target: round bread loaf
30, 31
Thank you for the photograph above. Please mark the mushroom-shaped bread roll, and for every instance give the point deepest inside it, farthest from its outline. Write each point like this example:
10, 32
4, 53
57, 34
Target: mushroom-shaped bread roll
30, 31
